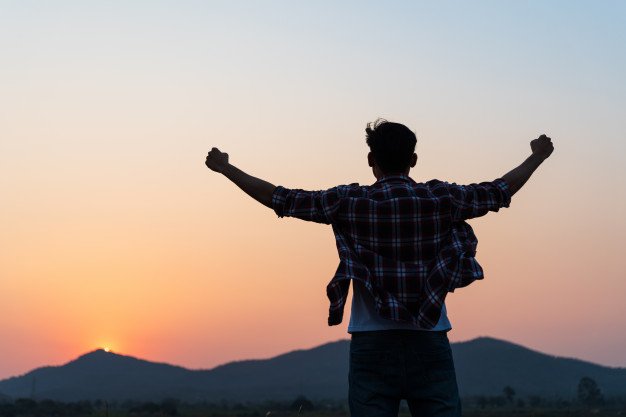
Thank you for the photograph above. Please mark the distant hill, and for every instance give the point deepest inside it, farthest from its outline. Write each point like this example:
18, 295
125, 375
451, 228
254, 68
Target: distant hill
484, 367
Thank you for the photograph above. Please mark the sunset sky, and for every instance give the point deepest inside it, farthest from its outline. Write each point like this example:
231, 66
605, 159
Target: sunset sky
114, 234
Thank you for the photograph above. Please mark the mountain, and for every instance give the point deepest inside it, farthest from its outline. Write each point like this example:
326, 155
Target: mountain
98, 374
484, 367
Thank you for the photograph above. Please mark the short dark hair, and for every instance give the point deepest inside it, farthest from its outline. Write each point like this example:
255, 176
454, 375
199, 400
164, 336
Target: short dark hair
392, 144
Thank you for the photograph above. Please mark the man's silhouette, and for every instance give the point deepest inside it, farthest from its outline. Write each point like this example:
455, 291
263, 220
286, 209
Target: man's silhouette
404, 245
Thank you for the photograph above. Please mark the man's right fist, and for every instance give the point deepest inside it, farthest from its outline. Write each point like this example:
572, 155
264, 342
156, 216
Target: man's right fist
216, 160
542, 146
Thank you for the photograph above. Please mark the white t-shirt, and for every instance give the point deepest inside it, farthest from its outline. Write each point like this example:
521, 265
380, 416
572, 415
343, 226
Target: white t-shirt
364, 317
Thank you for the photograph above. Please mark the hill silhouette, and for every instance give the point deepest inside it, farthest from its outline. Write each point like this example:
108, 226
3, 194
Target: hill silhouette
484, 366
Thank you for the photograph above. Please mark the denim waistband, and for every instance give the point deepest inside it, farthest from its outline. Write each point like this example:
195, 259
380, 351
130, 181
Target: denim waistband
400, 334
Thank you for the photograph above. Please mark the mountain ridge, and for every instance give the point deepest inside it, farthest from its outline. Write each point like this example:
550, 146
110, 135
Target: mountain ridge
484, 366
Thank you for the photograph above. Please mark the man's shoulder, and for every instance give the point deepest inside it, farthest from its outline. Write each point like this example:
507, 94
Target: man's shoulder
351, 189
436, 184
355, 187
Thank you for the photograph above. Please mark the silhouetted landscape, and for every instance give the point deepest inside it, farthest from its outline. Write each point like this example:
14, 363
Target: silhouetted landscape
485, 366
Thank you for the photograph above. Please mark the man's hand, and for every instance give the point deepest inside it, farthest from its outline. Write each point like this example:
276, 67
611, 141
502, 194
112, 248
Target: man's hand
256, 188
542, 146
216, 160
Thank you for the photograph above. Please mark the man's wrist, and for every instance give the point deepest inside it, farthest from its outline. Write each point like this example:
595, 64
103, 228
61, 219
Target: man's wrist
227, 170
537, 158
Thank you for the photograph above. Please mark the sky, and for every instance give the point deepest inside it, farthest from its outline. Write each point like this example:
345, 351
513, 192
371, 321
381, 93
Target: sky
113, 233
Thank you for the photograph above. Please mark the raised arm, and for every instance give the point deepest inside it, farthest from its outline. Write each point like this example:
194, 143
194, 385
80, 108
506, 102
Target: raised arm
541, 149
256, 188
475, 200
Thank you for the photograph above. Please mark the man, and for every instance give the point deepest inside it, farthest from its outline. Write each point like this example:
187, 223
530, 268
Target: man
404, 245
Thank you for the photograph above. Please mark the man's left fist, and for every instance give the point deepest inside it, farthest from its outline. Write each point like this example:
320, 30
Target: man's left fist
542, 146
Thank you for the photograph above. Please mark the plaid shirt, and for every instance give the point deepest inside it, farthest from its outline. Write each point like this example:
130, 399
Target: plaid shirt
408, 242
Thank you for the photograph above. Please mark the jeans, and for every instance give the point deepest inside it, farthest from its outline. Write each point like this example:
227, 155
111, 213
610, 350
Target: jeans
387, 366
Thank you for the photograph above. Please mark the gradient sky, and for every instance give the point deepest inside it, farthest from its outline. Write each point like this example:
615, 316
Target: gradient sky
114, 233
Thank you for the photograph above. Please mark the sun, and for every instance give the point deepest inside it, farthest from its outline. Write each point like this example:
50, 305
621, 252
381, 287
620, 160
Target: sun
105, 345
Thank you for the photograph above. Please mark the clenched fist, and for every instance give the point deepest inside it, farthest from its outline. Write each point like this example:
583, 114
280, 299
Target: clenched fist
542, 146
216, 160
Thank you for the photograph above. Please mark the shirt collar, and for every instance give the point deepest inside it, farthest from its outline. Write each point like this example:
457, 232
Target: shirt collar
401, 177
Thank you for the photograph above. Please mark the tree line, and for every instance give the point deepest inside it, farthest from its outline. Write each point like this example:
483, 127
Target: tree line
588, 394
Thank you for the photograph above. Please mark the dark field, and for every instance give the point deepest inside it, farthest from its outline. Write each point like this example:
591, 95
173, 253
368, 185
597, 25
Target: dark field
299, 407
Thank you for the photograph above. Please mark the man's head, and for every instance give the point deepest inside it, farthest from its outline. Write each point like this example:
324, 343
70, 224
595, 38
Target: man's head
392, 148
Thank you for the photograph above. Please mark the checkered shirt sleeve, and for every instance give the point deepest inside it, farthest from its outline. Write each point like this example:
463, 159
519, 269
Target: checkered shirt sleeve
475, 200
316, 206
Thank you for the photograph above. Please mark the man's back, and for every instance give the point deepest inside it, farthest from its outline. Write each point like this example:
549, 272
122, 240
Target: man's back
405, 242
